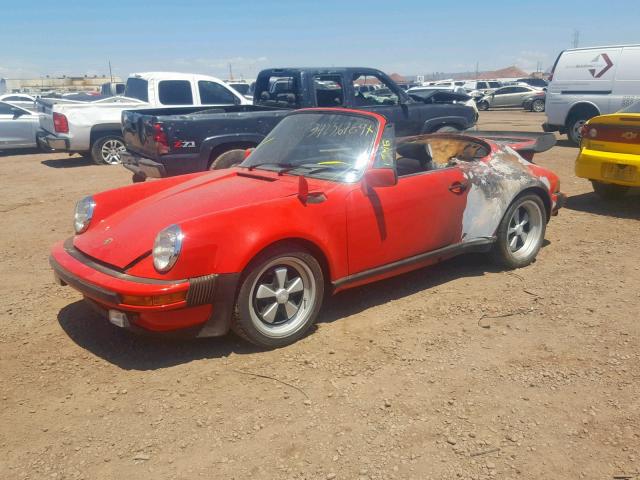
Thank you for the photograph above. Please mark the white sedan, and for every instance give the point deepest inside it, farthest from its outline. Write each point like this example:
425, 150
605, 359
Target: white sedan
18, 127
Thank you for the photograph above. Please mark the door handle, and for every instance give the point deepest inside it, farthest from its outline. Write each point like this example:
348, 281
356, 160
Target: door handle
458, 187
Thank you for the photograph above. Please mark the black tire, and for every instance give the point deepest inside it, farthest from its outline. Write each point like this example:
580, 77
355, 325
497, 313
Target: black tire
263, 287
98, 154
609, 191
138, 177
503, 251
537, 106
483, 106
227, 159
574, 123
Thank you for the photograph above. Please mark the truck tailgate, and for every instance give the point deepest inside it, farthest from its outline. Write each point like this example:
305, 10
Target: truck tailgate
45, 108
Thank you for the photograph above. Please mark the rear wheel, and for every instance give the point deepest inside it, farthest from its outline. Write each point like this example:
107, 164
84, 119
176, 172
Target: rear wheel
537, 106
521, 232
483, 105
609, 191
280, 297
108, 150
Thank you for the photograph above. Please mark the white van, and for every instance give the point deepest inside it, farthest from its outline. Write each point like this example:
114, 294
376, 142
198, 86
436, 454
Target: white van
586, 82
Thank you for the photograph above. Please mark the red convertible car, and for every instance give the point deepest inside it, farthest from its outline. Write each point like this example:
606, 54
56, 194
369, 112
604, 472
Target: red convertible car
330, 200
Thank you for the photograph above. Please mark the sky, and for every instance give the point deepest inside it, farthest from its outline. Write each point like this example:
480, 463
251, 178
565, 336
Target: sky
41, 37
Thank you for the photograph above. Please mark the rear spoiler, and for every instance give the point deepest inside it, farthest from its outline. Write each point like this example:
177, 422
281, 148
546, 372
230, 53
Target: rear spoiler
525, 143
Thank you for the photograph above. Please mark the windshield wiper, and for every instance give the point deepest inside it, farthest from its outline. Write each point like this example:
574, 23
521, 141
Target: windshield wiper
284, 167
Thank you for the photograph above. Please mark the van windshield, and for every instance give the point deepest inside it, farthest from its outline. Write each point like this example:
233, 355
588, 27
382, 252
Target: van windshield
633, 108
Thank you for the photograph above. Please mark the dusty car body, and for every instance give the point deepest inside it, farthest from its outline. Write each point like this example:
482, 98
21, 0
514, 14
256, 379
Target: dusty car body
326, 202
509, 96
18, 127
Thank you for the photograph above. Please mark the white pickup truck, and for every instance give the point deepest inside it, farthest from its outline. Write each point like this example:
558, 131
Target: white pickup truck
94, 129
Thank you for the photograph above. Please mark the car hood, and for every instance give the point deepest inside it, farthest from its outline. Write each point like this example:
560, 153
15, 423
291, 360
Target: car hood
126, 235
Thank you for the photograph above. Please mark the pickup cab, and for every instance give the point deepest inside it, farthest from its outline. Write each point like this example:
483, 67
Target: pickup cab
162, 142
93, 128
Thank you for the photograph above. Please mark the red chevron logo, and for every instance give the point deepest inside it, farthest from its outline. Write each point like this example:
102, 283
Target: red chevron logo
607, 65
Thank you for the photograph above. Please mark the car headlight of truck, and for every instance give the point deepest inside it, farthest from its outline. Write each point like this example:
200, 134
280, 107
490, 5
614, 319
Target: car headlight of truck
83, 214
166, 248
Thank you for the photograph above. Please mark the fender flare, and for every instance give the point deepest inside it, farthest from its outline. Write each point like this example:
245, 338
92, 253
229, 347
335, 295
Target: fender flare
208, 144
433, 124
97, 131
580, 104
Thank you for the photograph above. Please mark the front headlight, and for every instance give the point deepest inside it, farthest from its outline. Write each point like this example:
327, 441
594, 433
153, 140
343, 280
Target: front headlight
83, 214
166, 248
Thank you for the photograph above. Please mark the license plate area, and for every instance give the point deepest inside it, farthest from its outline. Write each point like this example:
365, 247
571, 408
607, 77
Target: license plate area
618, 171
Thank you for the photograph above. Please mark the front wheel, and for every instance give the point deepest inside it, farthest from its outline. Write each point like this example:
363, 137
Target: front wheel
108, 150
521, 232
483, 106
280, 297
609, 191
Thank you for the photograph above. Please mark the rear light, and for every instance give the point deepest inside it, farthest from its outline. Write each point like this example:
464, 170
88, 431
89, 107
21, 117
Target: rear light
587, 131
60, 123
160, 138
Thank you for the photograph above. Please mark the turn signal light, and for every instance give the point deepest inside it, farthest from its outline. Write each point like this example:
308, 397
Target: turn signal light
154, 300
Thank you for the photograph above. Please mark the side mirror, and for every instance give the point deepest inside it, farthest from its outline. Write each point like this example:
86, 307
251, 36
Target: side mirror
381, 177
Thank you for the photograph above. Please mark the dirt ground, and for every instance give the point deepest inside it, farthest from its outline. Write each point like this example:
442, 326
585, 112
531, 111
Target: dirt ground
458, 371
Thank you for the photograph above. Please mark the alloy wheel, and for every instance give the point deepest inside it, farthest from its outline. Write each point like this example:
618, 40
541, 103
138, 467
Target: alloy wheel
282, 297
111, 151
525, 229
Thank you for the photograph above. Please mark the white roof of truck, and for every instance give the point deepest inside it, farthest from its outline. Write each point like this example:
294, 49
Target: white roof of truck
173, 76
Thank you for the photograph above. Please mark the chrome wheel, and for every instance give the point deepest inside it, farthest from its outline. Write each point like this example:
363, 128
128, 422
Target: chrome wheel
282, 297
111, 151
538, 106
525, 230
576, 130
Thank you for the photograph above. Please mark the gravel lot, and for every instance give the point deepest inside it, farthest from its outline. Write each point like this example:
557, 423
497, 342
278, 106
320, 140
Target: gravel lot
458, 371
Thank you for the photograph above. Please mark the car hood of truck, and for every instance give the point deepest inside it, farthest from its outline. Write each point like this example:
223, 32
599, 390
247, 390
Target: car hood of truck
129, 233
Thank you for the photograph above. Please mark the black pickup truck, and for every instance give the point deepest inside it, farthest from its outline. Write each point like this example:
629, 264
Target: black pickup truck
172, 141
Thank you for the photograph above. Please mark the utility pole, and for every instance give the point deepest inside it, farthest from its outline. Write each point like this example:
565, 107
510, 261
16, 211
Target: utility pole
110, 72
477, 71
576, 38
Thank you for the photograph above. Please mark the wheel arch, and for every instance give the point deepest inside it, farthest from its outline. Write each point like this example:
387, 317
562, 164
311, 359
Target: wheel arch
580, 107
306, 244
104, 130
539, 191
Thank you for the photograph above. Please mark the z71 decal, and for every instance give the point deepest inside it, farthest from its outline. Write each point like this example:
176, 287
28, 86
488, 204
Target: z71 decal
184, 144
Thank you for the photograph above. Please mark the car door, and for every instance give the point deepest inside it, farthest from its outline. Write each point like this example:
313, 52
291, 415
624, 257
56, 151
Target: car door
16, 127
518, 96
421, 213
501, 97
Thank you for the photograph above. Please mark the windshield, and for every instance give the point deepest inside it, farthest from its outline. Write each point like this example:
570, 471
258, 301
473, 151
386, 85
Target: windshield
334, 146
633, 108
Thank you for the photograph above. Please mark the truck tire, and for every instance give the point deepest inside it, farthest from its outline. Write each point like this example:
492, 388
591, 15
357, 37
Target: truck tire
107, 150
227, 159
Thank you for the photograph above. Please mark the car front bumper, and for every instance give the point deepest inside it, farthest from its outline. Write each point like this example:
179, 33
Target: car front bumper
51, 142
599, 165
204, 311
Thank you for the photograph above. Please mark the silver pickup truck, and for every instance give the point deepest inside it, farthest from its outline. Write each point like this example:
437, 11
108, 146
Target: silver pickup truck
93, 128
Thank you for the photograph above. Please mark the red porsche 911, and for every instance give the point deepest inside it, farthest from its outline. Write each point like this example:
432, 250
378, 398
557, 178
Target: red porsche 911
328, 201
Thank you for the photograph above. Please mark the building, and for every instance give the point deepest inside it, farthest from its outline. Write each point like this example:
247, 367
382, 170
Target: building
62, 84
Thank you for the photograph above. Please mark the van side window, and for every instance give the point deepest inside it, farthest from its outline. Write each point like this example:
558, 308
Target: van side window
175, 92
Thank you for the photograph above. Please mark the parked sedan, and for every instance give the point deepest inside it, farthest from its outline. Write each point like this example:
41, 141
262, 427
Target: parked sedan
18, 127
512, 96
326, 202
535, 102
19, 99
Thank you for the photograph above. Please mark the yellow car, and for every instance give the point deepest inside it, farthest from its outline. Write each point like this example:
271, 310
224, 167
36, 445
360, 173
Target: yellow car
610, 152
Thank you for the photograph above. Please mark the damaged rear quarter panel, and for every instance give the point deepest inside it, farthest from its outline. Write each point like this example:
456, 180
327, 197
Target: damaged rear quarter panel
493, 185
